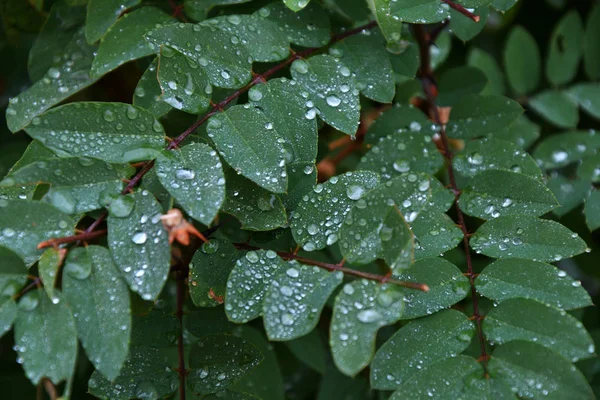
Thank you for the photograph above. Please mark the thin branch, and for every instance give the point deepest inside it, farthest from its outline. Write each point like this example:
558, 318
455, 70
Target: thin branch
34, 284
430, 89
181, 275
462, 10
83, 236
346, 271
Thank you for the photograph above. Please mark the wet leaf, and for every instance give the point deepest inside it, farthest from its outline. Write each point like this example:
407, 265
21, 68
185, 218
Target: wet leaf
360, 309
209, 270
518, 278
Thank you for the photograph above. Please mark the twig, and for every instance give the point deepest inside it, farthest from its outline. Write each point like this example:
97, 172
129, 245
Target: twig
430, 89
83, 236
35, 283
346, 271
462, 10
181, 275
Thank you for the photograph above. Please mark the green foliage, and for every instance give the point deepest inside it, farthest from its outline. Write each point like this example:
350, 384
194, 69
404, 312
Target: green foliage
244, 199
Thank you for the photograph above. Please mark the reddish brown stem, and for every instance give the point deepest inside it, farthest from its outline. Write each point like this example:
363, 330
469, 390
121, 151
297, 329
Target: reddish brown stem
180, 345
430, 89
340, 267
35, 283
462, 10
83, 236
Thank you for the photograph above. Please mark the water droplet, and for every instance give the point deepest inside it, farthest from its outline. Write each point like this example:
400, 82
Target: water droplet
122, 206
300, 66
255, 94
185, 174
108, 115
369, 316
53, 73
287, 319
355, 192
252, 256
139, 238
333, 101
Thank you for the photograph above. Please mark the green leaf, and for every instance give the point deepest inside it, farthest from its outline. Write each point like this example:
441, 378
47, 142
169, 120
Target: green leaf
457, 82
101, 14
307, 28
264, 381
390, 26
8, 313
440, 52
45, 337
419, 12
313, 225
281, 102
591, 53
435, 233
587, 95
139, 243
13, 273
360, 309
368, 60
592, 211
205, 321
418, 345
77, 183
218, 361
113, 132
403, 152
464, 27
262, 38
227, 64
405, 65
48, 266
522, 61
193, 176
494, 193
556, 107
589, 169
495, 154
332, 91
309, 349
515, 278
522, 132
559, 150
148, 93
376, 226
124, 41
100, 299
400, 119
535, 372
451, 378
256, 208
248, 283
476, 115
485, 63
183, 84
209, 270
64, 20
146, 373
570, 193
565, 49
504, 5
296, 5
528, 320
199, 9
25, 224
294, 300
447, 286
526, 237
66, 77
239, 134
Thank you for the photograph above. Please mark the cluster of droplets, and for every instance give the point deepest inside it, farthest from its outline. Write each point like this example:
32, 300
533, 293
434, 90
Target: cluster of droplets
295, 299
329, 90
248, 283
319, 216
195, 179
70, 72
360, 310
100, 131
402, 153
